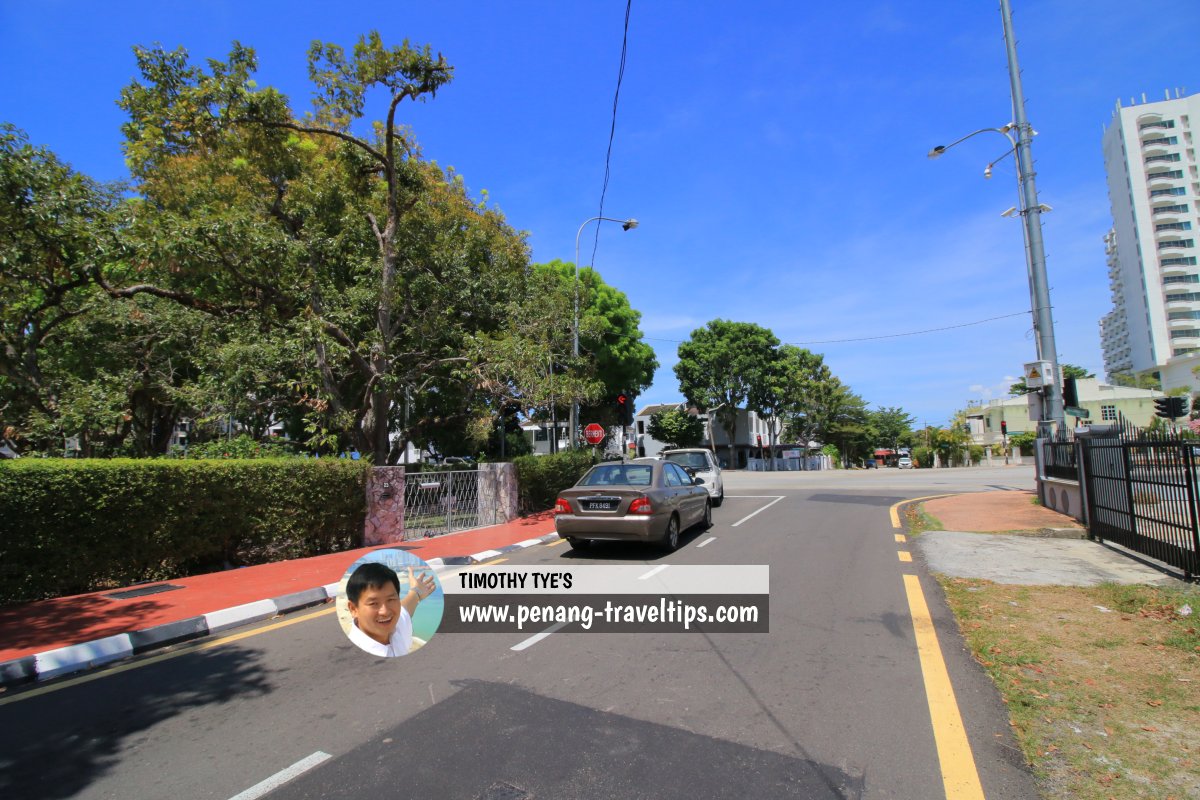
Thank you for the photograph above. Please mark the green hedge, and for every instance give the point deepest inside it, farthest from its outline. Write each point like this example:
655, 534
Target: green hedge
68, 526
541, 478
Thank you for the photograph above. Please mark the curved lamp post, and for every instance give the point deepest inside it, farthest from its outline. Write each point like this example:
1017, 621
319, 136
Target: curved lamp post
1030, 211
628, 225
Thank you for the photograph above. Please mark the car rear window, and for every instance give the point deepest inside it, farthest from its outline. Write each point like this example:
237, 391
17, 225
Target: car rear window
618, 475
693, 460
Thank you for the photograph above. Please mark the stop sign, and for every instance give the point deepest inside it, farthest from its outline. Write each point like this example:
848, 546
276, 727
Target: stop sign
593, 433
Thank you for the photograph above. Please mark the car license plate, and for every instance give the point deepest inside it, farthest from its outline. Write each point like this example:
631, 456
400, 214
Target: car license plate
599, 505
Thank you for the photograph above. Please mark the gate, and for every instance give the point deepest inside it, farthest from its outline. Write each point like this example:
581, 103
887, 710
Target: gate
1142, 494
441, 501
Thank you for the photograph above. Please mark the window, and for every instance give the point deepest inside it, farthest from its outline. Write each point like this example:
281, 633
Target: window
1165, 123
1187, 261
1163, 140
1165, 157
1108, 413
1183, 351
1190, 297
1176, 243
1170, 209
1186, 333
1163, 192
1174, 226
540, 435
1181, 279
1166, 173
674, 475
1184, 315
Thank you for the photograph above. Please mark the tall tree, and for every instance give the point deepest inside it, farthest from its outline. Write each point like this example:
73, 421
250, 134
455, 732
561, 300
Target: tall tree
382, 262
892, 426
54, 227
721, 364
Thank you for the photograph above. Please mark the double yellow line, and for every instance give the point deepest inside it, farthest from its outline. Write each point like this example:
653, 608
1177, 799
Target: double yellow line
960, 776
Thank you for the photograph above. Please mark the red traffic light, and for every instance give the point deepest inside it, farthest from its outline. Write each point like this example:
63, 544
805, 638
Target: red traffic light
1004, 427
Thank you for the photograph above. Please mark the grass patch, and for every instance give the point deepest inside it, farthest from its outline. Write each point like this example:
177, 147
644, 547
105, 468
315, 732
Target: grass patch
1102, 684
917, 520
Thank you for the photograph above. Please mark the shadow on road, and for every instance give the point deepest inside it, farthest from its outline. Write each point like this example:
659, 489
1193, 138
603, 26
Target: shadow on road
496, 740
55, 745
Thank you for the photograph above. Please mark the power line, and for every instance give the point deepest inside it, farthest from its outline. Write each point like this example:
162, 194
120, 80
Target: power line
612, 130
882, 336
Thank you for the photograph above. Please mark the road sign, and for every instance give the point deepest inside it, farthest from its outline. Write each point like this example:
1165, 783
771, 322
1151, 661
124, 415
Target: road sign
594, 434
1038, 374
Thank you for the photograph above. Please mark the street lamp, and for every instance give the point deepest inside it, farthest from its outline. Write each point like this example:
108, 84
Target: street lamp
1031, 211
627, 225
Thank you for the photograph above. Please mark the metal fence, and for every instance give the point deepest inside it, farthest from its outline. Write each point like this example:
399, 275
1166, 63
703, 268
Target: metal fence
1059, 457
440, 501
1141, 493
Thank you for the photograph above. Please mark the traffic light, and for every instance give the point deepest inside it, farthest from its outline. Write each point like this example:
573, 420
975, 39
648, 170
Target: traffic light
1178, 407
1163, 406
624, 409
1003, 428
1070, 393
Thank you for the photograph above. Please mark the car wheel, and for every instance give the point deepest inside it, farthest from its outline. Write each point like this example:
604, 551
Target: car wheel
706, 523
578, 544
670, 540
719, 499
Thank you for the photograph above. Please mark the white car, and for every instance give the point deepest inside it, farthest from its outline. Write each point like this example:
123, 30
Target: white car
703, 465
904, 463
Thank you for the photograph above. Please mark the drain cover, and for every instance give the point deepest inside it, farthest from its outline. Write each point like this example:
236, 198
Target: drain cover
142, 591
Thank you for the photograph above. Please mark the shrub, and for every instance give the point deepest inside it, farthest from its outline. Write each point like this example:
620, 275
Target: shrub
71, 526
923, 456
541, 478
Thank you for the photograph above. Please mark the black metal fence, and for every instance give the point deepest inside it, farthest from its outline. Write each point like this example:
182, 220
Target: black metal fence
1059, 457
1141, 492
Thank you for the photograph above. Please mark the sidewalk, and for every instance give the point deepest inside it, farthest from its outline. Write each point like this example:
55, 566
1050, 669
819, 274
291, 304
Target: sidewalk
55, 637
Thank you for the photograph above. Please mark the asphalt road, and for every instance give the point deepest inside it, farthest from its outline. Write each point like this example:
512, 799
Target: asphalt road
833, 702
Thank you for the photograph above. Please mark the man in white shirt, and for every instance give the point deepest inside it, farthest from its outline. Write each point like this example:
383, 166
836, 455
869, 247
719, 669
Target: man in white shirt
382, 619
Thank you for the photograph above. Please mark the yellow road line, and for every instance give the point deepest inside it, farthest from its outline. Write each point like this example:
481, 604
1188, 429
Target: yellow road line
144, 662
555, 543
895, 513
905, 556
960, 777
901, 538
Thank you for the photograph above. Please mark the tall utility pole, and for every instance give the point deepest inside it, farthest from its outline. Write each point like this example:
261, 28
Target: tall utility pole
1039, 290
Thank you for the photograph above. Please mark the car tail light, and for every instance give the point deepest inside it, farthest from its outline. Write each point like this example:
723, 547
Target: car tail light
641, 505
562, 506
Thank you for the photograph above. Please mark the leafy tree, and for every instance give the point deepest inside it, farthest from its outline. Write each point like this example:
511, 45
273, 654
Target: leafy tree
53, 228
677, 428
892, 426
379, 262
721, 364
608, 333
1068, 371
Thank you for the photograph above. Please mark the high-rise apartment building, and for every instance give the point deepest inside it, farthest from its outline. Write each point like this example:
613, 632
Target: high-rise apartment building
1153, 187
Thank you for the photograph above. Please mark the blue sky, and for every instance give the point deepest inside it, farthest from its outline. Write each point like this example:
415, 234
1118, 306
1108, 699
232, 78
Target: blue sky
774, 152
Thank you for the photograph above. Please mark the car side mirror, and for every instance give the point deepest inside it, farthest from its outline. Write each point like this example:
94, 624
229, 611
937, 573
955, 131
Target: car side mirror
697, 481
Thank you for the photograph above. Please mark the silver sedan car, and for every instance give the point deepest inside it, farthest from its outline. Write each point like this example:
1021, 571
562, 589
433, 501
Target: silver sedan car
639, 501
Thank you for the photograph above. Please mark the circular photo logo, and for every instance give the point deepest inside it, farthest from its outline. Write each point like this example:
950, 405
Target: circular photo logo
389, 603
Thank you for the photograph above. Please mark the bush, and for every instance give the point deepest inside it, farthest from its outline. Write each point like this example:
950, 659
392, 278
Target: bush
923, 456
72, 526
541, 478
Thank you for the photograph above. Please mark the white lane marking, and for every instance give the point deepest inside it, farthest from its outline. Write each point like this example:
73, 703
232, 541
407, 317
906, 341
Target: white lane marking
707, 541
282, 777
532, 640
752, 496
653, 572
764, 508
